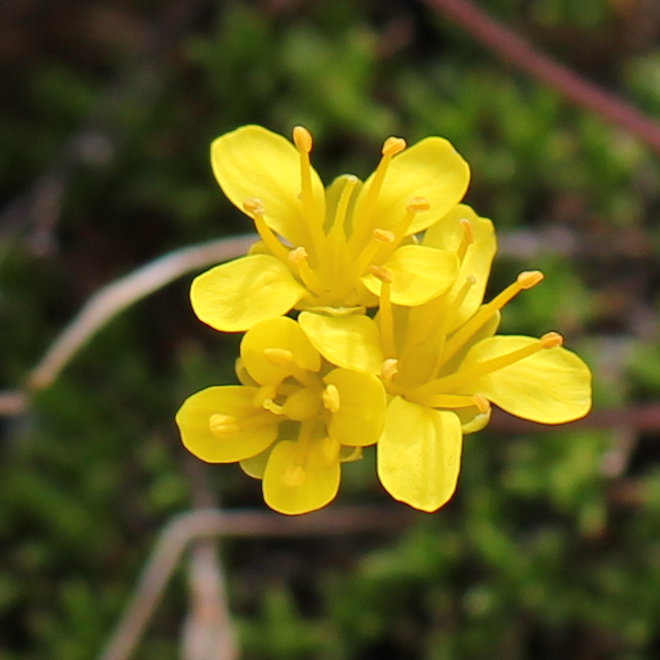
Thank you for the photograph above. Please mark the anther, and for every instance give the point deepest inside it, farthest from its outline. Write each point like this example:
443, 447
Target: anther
302, 138
272, 407
254, 206
384, 235
331, 398
382, 273
297, 255
393, 146
279, 356
529, 278
223, 425
417, 204
468, 230
551, 339
389, 369
482, 403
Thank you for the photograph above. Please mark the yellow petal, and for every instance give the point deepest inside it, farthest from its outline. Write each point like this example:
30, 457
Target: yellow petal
419, 274
431, 169
235, 400
293, 485
419, 454
252, 162
284, 334
447, 234
235, 296
552, 386
256, 465
352, 341
472, 419
361, 415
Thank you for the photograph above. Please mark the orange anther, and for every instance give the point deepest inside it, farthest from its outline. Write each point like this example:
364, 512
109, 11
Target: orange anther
384, 235
529, 278
551, 339
302, 138
393, 146
382, 273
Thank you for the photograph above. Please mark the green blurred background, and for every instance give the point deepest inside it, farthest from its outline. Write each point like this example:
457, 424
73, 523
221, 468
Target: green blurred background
551, 547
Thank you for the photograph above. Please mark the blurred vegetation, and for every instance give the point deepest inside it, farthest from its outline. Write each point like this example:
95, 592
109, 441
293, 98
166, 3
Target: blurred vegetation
550, 548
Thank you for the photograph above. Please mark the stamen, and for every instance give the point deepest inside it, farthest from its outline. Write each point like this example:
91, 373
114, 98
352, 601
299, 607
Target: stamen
302, 138
482, 403
255, 209
382, 273
223, 425
342, 205
466, 240
452, 307
389, 369
299, 258
273, 407
331, 398
413, 207
452, 401
525, 280
380, 237
391, 147
265, 392
385, 315
470, 281
469, 374
552, 339
279, 356
383, 235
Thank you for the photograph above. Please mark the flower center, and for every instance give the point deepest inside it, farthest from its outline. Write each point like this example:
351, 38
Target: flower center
425, 326
337, 251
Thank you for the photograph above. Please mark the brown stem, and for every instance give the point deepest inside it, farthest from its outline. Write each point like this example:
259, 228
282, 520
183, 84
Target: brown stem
521, 53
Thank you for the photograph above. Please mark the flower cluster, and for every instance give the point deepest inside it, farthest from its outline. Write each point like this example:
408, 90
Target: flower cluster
393, 344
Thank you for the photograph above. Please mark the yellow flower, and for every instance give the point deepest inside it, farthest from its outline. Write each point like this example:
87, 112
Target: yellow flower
443, 365
318, 246
291, 423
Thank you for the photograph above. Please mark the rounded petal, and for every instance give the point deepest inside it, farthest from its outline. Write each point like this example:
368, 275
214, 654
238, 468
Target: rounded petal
447, 234
361, 415
551, 386
472, 419
352, 342
419, 454
294, 486
256, 465
235, 400
235, 296
419, 274
431, 169
281, 333
253, 162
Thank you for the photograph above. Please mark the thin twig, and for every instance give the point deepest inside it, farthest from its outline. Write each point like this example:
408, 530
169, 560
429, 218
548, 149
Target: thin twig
112, 299
185, 527
513, 48
208, 632
642, 418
